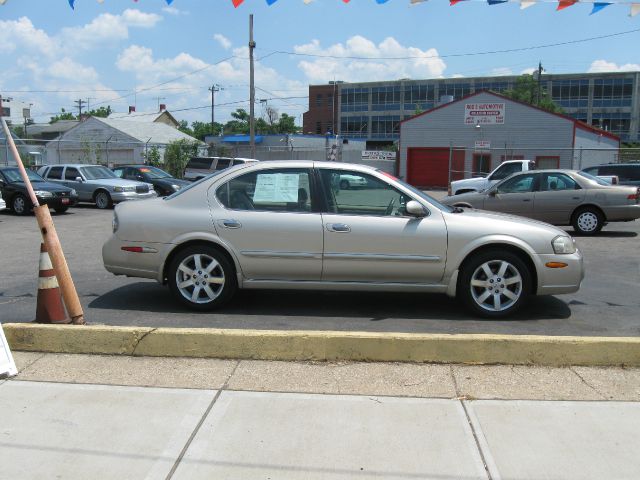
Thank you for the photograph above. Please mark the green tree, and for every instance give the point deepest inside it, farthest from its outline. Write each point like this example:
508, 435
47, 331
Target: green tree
102, 112
178, 154
286, 124
183, 126
526, 90
152, 156
63, 115
239, 124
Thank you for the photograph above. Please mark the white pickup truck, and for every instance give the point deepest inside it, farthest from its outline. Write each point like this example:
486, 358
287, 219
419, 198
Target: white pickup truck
503, 170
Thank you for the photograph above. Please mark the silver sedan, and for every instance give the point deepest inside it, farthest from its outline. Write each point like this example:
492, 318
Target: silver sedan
559, 197
289, 225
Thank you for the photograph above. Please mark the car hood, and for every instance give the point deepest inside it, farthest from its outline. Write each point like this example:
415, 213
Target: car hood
45, 186
471, 197
170, 181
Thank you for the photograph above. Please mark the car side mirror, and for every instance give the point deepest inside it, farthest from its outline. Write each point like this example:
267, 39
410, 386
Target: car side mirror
79, 179
415, 209
492, 193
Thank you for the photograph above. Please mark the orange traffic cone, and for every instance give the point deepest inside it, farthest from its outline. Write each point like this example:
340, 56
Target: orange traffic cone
50, 308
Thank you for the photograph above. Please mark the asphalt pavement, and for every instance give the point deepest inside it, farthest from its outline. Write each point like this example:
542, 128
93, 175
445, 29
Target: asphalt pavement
606, 305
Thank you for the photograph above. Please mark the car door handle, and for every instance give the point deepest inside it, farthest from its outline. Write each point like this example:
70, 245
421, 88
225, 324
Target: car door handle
575, 198
229, 223
338, 227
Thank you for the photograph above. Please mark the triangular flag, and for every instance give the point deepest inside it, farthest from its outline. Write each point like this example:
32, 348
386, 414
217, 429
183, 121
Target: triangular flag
71, 2
453, 2
169, 2
526, 4
599, 6
236, 3
562, 4
635, 9
496, 2
382, 1
271, 2
346, 1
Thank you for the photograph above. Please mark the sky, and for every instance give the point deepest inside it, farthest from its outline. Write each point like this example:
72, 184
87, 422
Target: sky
143, 53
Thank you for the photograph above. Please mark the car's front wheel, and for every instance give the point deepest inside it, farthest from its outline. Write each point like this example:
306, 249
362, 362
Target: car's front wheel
20, 205
494, 284
344, 185
103, 200
202, 278
62, 209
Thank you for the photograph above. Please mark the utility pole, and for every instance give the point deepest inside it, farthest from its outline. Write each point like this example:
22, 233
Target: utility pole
252, 92
540, 69
80, 103
213, 89
88, 100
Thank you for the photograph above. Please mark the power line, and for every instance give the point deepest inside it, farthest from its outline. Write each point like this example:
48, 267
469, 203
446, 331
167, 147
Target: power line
451, 55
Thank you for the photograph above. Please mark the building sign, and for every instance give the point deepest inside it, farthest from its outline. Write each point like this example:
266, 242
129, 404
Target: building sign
484, 114
483, 144
378, 155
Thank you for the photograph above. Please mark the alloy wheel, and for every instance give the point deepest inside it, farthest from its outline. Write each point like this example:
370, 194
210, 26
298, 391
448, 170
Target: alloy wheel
200, 278
587, 221
496, 285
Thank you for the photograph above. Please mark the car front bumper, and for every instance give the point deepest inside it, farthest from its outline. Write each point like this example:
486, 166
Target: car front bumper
553, 281
124, 196
58, 202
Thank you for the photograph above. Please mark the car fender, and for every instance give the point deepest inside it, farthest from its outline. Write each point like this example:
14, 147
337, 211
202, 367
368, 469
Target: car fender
454, 262
200, 236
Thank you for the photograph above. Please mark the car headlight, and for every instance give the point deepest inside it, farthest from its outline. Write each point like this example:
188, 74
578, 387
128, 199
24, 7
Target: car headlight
114, 223
175, 187
124, 189
43, 194
563, 244
73, 193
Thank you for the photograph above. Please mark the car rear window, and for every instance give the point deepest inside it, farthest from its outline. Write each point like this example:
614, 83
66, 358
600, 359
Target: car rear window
55, 173
223, 163
201, 163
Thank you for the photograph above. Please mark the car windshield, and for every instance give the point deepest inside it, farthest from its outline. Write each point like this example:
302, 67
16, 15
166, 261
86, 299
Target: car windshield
13, 175
421, 194
97, 173
153, 172
197, 182
593, 178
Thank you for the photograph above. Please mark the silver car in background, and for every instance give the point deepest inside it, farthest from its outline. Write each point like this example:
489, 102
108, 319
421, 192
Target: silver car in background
289, 225
559, 197
97, 184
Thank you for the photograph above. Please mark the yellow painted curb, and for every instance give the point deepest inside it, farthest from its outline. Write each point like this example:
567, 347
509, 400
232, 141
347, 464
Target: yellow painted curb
325, 345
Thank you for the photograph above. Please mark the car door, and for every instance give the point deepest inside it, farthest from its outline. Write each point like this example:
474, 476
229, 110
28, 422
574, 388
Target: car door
515, 195
55, 174
71, 175
368, 237
557, 198
266, 218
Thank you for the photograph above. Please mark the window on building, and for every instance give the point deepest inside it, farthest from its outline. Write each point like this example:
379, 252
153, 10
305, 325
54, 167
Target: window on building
493, 86
570, 93
354, 126
543, 162
385, 98
330, 100
355, 100
481, 164
615, 122
387, 126
612, 92
319, 100
419, 97
457, 90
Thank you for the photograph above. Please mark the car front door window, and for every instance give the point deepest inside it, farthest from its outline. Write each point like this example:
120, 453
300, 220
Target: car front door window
519, 184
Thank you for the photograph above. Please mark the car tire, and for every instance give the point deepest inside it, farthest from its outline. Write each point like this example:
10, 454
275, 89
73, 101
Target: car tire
159, 191
193, 286
587, 221
20, 205
61, 209
497, 295
103, 200
344, 185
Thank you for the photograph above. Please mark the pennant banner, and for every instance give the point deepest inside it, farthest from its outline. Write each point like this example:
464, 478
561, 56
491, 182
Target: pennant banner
598, 6
562, 4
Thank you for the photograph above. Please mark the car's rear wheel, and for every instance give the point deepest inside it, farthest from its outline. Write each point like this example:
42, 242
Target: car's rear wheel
20, 205
344, 185
494, 284
588, 221
103, 200
202, 278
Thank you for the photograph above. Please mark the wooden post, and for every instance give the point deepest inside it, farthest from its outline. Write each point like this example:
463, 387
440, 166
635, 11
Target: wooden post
51, 240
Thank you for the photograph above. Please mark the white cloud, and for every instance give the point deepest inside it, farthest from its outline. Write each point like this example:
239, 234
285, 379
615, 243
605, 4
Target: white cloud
222, 40
108, 28
22, 34
528, 71
605, 66
174, 11
67, 69
424, 64
501, 72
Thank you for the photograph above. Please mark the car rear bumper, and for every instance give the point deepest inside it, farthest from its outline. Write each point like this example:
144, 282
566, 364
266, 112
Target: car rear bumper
134, 264
553, 281
622, 213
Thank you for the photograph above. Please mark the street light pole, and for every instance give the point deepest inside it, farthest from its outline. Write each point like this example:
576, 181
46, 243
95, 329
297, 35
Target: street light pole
252, 92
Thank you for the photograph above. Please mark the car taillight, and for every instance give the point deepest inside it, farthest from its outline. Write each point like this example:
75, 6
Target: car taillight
635, 196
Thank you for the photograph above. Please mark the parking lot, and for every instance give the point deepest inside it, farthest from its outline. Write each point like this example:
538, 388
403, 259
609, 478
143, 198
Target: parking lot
607, 304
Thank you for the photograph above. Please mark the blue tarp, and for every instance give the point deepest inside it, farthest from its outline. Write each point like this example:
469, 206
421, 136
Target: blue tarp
241, 139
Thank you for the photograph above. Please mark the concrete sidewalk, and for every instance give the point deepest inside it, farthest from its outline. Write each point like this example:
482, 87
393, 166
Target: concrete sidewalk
82, 416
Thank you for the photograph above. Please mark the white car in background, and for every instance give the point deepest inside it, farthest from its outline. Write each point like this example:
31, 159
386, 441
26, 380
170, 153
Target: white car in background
3, 204
351, 181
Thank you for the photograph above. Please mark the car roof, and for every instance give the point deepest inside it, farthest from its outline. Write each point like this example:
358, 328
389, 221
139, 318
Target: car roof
73, 165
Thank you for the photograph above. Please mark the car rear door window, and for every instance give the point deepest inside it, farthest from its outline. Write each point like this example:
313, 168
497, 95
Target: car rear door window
71, 173
518, 184
277, 190
55, 173
558, 181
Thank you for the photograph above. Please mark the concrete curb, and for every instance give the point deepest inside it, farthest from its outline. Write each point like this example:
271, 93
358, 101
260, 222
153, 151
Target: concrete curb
325, 345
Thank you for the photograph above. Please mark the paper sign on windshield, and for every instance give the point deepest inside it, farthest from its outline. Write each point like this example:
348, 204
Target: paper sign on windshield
277, 187
7, 365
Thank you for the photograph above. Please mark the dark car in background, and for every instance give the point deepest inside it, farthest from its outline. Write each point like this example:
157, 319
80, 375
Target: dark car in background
163, 183
200, 167
14, 192
627, 173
